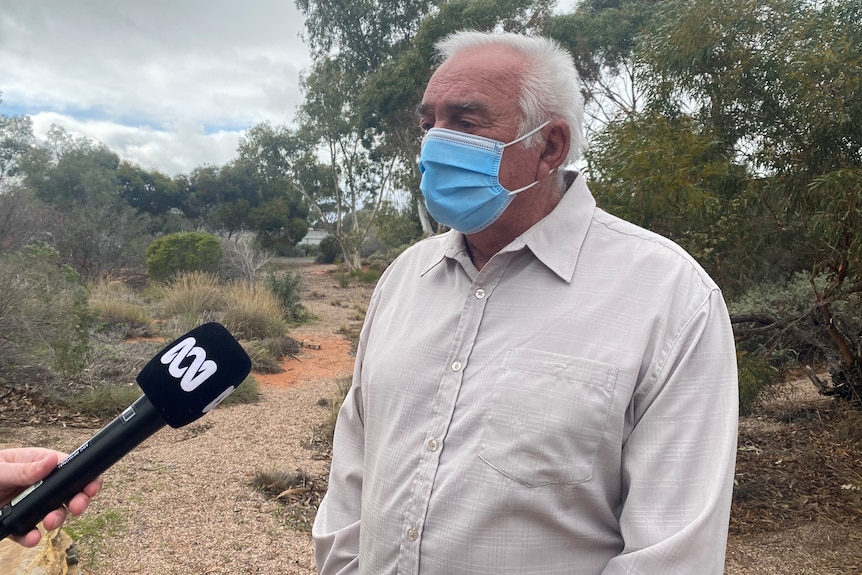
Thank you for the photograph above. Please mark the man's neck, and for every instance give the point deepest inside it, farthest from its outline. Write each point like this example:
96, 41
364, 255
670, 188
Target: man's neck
482, 246
478, 256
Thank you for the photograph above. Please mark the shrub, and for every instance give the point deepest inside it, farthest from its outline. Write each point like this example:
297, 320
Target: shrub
103, 402
242, 258
286, 288
44, 317
266, 354
247, 392
192, 295
115, 305
183, 252
328, 251
252, 312
755, 376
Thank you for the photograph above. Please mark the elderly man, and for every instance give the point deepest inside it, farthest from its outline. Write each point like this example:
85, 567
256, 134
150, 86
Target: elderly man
545, 388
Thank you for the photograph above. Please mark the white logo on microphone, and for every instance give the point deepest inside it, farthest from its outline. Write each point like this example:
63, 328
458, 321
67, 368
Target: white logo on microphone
194, 374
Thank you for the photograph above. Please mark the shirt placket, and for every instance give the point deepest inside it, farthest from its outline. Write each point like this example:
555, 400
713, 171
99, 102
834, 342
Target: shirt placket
442, 410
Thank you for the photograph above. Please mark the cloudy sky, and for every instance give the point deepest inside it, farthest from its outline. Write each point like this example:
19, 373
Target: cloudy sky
167, 84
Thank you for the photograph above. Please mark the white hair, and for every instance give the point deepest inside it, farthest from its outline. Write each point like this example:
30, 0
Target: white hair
550, 88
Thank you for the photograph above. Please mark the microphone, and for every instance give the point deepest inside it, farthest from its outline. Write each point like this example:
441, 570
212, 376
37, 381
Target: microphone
184, 381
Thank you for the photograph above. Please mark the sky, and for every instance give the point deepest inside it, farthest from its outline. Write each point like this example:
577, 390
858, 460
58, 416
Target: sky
166, 84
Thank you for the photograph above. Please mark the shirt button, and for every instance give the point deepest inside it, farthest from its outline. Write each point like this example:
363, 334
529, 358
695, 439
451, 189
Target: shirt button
412, 534
432, 445
456, 366
480, 293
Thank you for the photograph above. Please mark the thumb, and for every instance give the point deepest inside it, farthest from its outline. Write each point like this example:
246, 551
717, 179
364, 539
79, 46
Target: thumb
26, 473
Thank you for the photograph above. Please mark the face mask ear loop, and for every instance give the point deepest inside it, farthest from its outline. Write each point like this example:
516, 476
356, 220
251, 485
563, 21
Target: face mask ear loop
528, 186
527, 135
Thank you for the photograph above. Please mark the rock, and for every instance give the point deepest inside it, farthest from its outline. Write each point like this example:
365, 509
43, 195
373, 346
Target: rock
55, 555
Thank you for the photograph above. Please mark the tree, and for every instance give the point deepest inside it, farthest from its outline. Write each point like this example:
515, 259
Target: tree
149, 191
90, 225
763, 93
602, 36
16, 141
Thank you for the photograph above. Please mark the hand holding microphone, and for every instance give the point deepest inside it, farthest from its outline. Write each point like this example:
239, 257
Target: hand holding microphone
21, 467
185, 380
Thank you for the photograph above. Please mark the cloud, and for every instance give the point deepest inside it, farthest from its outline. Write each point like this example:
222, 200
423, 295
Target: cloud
168, 85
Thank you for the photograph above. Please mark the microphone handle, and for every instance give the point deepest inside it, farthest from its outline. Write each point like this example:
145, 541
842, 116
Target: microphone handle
139, 421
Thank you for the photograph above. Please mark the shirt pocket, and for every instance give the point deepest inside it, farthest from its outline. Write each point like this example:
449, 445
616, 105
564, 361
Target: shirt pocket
547, 418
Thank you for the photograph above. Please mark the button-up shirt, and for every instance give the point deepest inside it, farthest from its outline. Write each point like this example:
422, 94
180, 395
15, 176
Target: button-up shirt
569, 409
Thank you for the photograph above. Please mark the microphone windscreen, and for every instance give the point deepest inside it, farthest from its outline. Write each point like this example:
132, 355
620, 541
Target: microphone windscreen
194, 373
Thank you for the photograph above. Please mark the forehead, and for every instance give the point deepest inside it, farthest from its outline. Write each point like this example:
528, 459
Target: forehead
480, 79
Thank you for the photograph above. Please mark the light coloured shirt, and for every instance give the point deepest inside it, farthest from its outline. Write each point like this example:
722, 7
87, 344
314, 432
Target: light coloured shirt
569, 409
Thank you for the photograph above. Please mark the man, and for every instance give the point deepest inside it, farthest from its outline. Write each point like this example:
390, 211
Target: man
21, 468
544, 389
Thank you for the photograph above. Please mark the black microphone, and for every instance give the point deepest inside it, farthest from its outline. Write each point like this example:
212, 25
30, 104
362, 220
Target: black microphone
185, 380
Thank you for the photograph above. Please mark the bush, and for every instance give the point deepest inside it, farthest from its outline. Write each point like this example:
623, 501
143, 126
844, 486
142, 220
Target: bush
242, 258
252, 312
44, 317
117, 306
183, 252
192, 296
286, 288
755, 376
328, 251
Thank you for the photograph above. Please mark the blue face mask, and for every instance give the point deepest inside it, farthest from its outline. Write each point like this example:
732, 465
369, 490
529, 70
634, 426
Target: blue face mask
460, 178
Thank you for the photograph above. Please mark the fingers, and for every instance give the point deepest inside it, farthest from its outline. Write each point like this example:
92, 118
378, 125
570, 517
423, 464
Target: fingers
30, 540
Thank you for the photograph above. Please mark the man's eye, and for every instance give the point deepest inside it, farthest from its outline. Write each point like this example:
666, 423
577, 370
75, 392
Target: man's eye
466, 125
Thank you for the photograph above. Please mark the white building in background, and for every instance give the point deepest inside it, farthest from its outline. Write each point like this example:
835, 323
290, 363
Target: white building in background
313, 237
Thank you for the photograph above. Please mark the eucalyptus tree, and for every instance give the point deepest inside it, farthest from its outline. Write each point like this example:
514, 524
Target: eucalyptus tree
92, 227
16, 141
602, 35
752, 133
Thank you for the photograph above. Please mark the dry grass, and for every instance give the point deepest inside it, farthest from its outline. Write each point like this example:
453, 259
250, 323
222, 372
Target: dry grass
252, 312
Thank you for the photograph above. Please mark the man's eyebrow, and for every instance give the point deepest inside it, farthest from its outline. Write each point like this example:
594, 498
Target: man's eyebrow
454, 109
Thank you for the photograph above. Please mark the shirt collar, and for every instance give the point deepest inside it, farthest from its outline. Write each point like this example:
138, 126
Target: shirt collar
555, 240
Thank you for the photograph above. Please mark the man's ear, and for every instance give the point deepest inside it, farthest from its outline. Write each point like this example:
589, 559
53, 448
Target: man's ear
558, 138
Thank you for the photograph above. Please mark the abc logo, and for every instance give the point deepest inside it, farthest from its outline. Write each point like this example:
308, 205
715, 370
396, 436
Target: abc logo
193, 373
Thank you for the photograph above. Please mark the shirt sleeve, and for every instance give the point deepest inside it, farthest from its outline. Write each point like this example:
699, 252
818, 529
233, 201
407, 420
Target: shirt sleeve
679, 459
337, 524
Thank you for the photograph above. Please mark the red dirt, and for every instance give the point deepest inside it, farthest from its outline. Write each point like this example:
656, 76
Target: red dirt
319, 358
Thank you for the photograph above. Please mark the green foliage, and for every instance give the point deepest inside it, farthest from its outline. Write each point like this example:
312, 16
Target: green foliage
148, 191
16, 141
671, 175
755, 377
44, 315
396, 228
182, 252
328, 251
287, 288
